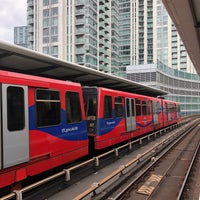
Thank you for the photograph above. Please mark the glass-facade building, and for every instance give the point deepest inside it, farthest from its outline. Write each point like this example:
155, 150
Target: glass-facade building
94, 33
109, 35
170, 48
75, 30
155, 37
20, 36
106, 35
181, 86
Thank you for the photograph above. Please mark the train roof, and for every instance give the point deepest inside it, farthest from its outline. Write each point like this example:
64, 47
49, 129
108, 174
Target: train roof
32, 80
22, 60
124, 93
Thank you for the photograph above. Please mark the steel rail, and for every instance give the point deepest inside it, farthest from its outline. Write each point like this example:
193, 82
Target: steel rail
129, 186
188, 172
19, 193
121, 170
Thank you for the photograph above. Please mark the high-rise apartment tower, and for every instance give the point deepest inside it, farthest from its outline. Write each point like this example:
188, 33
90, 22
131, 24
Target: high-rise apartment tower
106, 35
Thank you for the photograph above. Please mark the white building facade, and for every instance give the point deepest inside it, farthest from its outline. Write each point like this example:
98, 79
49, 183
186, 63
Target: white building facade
74, 30
106, 35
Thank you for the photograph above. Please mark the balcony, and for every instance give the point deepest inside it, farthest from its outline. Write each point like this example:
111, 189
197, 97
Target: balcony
80, 31
30, 29
80, 41
30, 12
79, 2
79, 51
80, 12
80, 21
30, 21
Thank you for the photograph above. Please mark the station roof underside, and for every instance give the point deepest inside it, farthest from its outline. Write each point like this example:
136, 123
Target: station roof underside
186, 17
18, 59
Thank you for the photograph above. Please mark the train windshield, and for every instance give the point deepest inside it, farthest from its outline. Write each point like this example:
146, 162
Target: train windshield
90, 106
90, 100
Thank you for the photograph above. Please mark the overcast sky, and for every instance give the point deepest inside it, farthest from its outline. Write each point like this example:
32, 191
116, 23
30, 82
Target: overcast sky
12, 13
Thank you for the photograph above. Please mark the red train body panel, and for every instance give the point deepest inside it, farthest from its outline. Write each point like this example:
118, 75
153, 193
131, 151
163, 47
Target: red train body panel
47, 122
171, 112
121, 116
44, 136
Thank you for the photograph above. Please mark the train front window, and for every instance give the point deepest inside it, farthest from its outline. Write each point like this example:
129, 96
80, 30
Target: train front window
90, 106
91, 112
90, 102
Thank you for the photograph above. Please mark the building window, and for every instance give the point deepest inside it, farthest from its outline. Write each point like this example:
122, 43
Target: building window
54, 11
45, 22
54, 1
46, 50
45, 2
54, 21
54, 50
45, 12
45, 40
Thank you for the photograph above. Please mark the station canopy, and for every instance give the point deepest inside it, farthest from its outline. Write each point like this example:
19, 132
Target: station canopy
22, 60
186, 17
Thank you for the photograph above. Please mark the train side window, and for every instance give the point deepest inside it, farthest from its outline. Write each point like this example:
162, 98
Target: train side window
118, 107
154, 107
15, 108
167, 107
158, 108
127, 108
107, 107
149, 109
178, 108
133, 107
73, 107
138, 107
173, 107
144, 107
47, 107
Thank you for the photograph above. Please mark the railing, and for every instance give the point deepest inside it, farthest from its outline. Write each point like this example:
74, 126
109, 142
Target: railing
96, 161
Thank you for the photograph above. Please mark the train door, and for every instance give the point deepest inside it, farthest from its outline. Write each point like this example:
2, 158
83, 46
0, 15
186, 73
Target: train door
155, 112
168, 111
130, 115
14, 125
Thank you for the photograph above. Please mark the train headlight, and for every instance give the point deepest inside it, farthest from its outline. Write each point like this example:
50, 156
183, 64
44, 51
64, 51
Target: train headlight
91, 124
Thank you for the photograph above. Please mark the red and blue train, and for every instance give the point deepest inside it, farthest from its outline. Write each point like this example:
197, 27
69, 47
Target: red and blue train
46, 123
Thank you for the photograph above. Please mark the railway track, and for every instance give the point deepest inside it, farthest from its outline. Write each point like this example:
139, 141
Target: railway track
162, 175
165, 180
191, 184
67, 176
